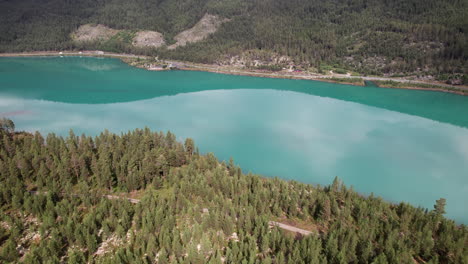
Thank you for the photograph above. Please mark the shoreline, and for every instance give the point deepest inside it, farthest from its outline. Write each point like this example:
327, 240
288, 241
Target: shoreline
190, 66
426, 89
328, 79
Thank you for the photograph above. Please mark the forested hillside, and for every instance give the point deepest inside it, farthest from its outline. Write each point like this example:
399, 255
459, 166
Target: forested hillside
193, 209
367, 36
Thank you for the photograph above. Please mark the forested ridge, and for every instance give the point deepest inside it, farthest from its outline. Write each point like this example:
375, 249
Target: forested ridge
193, 209
366, 36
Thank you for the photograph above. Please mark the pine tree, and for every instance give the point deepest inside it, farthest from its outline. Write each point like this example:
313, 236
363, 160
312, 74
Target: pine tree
439, 207
163, 257
9, 252
76, 257
189, 146
7, 124
326, 210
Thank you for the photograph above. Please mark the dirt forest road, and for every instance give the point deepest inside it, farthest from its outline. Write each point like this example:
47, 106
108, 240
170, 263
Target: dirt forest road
136, 201
290, 228
271, 223
114, 197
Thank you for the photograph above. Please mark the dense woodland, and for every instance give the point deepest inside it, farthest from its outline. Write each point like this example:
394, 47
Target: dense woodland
193, 209
366, 36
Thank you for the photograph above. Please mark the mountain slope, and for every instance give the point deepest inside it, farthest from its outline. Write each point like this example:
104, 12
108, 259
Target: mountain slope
369, 36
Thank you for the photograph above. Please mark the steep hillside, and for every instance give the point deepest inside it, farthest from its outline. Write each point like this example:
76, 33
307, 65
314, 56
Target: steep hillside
192, 208
372, 37
208, 25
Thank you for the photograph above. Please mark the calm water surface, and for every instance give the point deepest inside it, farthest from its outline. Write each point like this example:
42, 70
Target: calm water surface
402, 145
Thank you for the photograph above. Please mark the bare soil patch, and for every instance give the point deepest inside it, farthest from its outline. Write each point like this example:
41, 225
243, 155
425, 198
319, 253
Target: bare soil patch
209, 24
89, 32
152, 39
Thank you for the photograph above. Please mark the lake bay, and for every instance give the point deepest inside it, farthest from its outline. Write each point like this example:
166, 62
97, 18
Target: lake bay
403, 145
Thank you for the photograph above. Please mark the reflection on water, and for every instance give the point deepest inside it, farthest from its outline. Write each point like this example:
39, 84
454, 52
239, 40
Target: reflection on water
287, 134
280, 128
97, 81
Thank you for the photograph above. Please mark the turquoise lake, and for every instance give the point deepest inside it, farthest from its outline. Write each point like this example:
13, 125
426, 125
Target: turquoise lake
403, 145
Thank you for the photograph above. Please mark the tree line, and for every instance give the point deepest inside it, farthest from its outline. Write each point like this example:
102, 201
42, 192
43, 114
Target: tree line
369, 37
194, 209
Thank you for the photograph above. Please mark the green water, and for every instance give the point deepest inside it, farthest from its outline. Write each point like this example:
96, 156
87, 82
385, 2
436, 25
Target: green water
402, 145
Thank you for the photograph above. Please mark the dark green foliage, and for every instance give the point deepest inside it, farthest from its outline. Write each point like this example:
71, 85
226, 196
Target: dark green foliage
371, 37
191, 205
439, 207
9, 252
7, 125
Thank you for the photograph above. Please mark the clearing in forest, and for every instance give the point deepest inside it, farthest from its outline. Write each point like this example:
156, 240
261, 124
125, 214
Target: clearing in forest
209, 24
148, 39
90, 32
